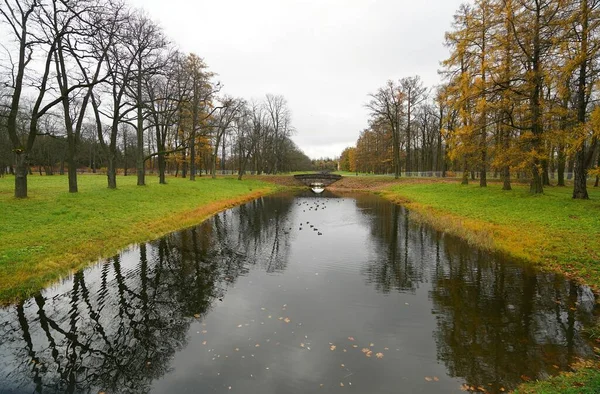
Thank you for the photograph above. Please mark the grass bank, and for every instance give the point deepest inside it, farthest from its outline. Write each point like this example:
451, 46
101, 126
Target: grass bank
53, 232
552, 231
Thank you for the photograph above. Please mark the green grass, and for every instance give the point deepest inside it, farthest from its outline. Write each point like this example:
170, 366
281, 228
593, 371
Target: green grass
551, 230
53, 232
585, 380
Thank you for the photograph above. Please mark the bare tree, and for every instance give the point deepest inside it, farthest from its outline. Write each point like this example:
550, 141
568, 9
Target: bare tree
229, 109
415, 93
24, 20
387, 105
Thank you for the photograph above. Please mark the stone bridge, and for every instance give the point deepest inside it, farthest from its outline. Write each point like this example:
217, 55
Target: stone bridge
324, 178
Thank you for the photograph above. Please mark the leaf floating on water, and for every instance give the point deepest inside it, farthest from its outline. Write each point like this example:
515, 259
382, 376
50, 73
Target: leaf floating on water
371, 344
350, 338
464, 387
197, 315
257, 345
343, 366
237, 349
380, 355
204, 331
239, 326
427, 378
287, 320
204, 342
332, 348
341, 384
365, 350
301, 345
344, 350
434, 378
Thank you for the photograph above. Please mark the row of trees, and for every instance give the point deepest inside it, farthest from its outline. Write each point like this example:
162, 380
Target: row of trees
103, 80
519, 96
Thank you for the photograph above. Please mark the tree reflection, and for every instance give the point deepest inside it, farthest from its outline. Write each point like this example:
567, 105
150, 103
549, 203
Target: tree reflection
116, 327
498, 322
394, 266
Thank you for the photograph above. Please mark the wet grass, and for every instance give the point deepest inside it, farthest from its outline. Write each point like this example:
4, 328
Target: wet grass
53, 232
551, 230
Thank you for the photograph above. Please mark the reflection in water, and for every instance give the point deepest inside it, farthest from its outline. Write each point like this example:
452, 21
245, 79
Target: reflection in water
497, 323
117, 327
138, 322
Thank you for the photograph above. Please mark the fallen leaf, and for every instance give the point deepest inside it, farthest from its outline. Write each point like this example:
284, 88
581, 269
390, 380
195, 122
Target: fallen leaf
365, 350
355, 346
287, 320
257, 345
332, 348
341, 384
301, 345
204, 342
351, 338
380, 355
371, 344
343, 366
197, 315
239, 326
434, 378
427, 378
204, 331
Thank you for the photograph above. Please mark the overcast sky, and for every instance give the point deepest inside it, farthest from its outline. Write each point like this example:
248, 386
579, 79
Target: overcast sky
324, 56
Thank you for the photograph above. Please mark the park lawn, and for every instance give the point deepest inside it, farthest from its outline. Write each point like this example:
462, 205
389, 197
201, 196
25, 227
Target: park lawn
551, 230
53, 232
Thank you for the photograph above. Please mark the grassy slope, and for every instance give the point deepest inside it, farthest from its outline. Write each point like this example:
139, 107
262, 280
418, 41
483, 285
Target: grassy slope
53, 232
551, 230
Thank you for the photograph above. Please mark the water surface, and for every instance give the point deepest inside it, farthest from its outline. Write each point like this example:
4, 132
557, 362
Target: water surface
297, 294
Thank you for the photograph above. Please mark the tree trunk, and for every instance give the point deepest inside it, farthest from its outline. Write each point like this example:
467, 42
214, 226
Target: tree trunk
580, 181
161, 168
111, 171
72, 172
21, 175
545, 177
193, 157
465, 174
562, 159
506, 178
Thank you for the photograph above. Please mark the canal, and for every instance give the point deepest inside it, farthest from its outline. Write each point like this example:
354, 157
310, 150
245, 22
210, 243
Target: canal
298, 293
